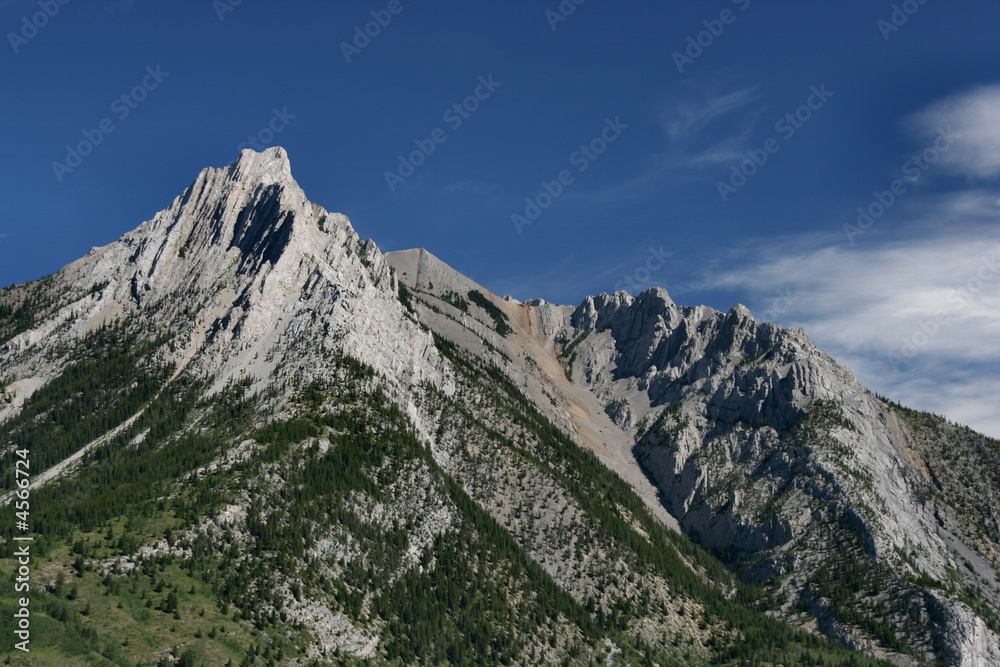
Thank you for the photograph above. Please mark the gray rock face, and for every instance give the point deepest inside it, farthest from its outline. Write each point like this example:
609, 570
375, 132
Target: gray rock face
761, 445
967, 640
764, 448
669, 349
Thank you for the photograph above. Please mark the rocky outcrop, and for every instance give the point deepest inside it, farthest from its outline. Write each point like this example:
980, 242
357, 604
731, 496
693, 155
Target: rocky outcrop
761, 444
966, 639
764, 449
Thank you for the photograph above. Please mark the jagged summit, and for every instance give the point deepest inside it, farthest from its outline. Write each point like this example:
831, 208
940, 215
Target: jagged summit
252, 205
267, 167
245, 261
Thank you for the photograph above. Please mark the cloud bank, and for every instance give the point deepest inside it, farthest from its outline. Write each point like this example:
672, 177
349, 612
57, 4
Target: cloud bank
975, 116
917, 319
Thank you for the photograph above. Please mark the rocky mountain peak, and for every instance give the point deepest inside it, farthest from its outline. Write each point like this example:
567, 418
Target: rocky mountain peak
268, 167
248, 263
741, 434
251, 205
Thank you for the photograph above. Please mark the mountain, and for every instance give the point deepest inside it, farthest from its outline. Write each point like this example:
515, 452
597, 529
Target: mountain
256, 439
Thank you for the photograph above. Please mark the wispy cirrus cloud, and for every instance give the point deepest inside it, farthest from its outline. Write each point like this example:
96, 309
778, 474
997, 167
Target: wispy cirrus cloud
916, 312
706, 130
917, 318
700, 131
974, 116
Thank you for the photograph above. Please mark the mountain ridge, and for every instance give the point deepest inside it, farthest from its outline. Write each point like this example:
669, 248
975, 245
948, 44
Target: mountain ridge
743, 436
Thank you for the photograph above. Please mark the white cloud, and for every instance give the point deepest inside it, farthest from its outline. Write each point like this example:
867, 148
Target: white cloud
975, 117
690, 116
917, 320
970, 397
696, 130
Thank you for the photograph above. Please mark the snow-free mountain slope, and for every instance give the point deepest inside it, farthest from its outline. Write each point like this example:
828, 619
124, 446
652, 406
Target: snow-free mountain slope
264, 439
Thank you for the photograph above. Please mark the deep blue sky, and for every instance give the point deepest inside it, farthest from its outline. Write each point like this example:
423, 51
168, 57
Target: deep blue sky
777, 244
